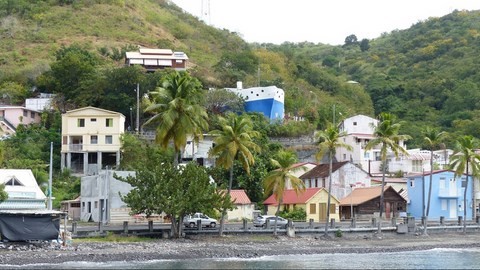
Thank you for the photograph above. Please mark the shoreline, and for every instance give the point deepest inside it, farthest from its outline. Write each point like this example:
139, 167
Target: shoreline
230, 246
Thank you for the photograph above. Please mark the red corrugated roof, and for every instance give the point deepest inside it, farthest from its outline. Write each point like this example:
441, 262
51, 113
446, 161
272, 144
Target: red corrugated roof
290, 197
239, 196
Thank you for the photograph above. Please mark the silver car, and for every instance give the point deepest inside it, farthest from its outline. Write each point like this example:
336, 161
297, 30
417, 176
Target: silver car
191, 221
261, 221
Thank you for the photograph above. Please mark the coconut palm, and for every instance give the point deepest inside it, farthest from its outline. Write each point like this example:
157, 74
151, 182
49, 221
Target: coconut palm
464, 157
386, 135
234, 142
277, 180
329, 142
432, 138
177, 111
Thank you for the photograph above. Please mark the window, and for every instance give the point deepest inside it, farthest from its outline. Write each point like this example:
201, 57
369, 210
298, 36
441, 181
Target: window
354, 123
93, 119
80, 122
64, 139
464, 183
32, 114
83, 206
441, 183
417, 165
96, 204
333, 208
94, 139
313, 208
109, 122
108, 139
444, 205
366, 155
25, 113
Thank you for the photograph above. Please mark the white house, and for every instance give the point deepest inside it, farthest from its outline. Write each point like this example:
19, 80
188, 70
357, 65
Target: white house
345, 177
23, 190
198, 151
359, 131
91, 139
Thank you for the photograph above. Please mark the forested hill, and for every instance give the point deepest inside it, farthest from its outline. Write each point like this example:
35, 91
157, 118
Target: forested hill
426, 75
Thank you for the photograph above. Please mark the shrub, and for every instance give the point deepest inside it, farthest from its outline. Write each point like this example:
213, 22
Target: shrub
339, 233
297, 214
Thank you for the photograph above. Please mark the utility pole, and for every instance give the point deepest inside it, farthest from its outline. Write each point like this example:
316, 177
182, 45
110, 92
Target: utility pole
137, 129
50, 178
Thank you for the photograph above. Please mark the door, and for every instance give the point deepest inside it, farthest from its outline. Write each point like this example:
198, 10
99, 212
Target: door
453, 208
387, 209
322, 211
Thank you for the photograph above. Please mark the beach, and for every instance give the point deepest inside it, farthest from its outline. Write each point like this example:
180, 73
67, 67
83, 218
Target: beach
229, 246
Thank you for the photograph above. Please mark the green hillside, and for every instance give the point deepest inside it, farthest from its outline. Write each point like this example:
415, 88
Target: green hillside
427, 75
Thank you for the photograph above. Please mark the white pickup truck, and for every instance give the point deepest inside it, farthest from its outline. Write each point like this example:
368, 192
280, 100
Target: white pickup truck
190, 221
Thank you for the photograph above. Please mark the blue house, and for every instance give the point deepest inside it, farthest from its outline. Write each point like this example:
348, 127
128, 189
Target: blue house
447, 195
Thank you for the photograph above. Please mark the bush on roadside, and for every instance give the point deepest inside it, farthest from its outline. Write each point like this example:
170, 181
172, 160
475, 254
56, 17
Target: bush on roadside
297, 214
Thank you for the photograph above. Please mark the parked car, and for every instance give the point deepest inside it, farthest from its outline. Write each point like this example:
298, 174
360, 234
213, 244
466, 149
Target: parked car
191, 220
261, 221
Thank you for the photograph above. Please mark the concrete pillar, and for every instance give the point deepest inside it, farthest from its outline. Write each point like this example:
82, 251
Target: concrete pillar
150, 225
310, 223
442, 220
199, 224
477, 219
69, 160
74, 227
353, 222
99, 161
62, 161
100, 226
118, 158
394, 221
125, 227
460, 218
267, 224
332, 223
245, 224
85, 163
374, 222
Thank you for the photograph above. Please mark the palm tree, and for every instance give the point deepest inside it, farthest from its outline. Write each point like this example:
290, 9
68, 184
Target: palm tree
386, 135
234, 142
432, 138
177, 111
276, 180
329, 142
463, 156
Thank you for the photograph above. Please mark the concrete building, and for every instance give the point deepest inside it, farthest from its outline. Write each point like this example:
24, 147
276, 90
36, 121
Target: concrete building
359, 131
345, 177
153, 59
91, 139
13, 116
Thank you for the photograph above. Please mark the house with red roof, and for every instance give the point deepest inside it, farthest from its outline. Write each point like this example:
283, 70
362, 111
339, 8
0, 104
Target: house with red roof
243, 207
312, 200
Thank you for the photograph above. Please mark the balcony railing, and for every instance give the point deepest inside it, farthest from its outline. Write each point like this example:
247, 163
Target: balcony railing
75, 147
449, 193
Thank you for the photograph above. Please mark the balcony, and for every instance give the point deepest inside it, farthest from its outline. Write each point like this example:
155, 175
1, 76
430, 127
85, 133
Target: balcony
449, 193
75, 147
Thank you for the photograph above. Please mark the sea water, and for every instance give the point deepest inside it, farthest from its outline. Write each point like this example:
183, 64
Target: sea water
440, 258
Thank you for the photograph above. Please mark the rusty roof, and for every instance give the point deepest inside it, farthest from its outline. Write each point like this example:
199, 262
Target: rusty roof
362, 195
322, 170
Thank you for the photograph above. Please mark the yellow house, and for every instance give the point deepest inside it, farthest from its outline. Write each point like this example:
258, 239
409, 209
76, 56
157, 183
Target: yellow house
91, 139
312, 200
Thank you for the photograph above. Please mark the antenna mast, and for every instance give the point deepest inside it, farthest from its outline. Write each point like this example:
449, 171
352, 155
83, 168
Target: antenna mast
205, 12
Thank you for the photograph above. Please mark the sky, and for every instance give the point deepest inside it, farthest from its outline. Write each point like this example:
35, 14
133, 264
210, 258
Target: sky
318, 21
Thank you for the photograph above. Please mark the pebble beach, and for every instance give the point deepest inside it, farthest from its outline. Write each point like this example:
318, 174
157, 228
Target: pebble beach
229, 246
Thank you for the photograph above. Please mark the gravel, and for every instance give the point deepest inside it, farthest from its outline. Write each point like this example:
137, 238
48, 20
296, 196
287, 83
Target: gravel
240, 246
